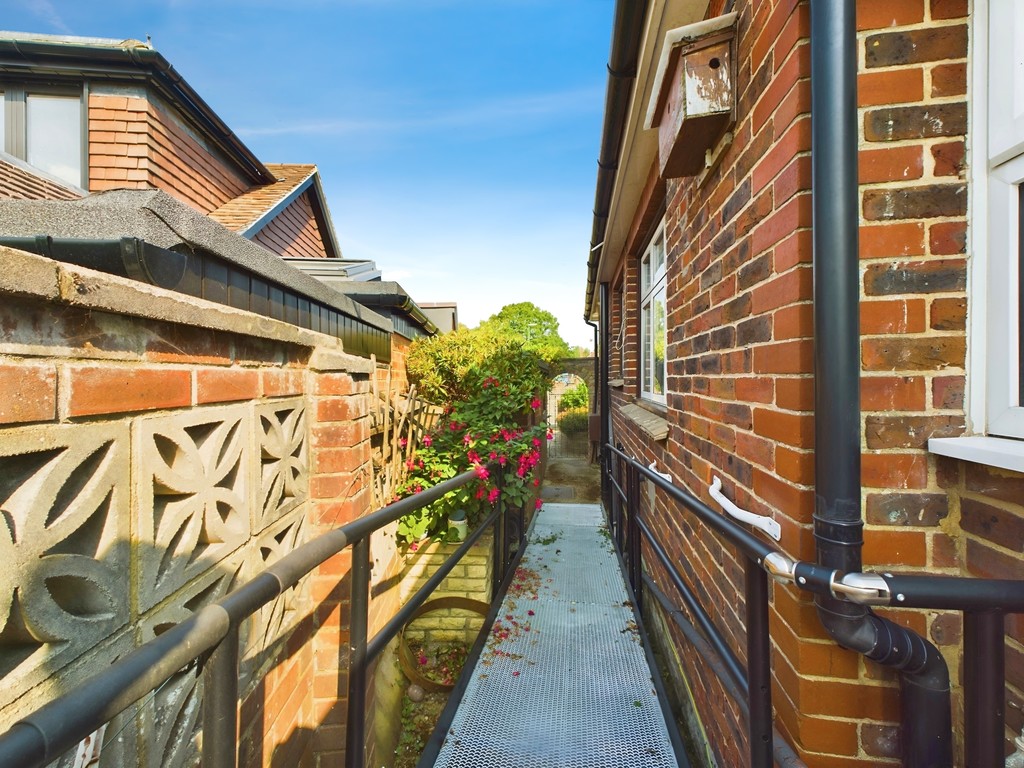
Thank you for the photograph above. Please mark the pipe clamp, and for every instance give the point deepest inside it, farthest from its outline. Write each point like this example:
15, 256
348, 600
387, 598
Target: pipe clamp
862, 588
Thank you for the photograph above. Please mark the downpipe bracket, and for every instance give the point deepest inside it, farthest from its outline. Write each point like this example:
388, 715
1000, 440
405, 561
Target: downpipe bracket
859, 588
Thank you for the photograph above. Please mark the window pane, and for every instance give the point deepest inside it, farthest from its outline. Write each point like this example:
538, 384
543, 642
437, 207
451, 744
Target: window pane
658, 253
645, 356
1020, 295
658, 363
54, 135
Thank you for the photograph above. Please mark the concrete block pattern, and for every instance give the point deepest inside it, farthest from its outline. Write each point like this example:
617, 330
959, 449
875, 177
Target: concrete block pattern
281, 615
194, 487
284, 459
64, 496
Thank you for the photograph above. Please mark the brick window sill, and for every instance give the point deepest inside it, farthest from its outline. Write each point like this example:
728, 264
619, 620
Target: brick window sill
993, 451
653, 425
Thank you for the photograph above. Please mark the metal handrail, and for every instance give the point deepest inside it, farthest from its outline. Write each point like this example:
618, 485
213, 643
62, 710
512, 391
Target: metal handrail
984, 602
210, 638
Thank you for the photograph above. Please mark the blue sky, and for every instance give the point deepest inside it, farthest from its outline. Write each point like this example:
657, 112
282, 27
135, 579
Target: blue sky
457, 139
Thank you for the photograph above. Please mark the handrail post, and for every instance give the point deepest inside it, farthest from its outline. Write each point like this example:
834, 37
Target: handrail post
500, 548
759, 683
984, 662
220, 704
633, 538
614, 470
355, 734
624, 508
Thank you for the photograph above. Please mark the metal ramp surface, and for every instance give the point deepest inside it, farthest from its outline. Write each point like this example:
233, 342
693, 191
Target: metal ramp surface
563, 681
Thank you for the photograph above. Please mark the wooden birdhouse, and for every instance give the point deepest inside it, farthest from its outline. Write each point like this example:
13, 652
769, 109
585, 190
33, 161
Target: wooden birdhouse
694, 97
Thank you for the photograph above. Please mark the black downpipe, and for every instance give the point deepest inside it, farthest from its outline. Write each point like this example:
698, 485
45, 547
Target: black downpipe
604, 392
924, 679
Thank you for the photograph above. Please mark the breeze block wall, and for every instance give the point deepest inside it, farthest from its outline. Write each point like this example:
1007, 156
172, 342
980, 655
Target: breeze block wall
740, 391
157, 452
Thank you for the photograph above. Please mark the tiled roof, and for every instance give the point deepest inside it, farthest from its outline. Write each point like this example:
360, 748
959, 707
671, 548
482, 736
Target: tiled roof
245, 210
19, 181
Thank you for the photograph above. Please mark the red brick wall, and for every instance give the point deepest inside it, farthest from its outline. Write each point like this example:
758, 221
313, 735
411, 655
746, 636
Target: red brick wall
740, 345
137, 143
294, 232
66, 365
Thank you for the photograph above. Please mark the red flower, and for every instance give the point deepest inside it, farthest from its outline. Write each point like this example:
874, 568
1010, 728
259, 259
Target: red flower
539, 503
493, 495
428, 440
535, 403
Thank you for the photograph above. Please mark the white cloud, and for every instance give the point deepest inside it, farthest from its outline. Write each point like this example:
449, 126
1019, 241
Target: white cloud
46, 11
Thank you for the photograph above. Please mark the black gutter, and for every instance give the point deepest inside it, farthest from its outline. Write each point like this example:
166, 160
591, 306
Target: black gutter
127, 257
206, 275
399, 301
924, 678
72, 59
627, 35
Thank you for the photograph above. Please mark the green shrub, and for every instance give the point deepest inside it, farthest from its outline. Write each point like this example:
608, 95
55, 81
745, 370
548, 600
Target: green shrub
489, 388
577, 397
573, 421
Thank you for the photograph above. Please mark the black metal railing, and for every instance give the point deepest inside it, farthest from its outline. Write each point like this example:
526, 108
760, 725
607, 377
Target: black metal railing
210, 638
983, 602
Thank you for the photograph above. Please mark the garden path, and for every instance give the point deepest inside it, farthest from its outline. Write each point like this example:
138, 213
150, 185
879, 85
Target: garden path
563, 681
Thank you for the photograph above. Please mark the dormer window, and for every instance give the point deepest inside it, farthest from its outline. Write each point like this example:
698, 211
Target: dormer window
43, 126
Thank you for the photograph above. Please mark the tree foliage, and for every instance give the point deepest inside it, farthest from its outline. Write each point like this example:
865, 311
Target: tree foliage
536, 328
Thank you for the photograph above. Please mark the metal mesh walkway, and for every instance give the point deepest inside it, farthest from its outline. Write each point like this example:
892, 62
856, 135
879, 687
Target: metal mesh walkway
563, 681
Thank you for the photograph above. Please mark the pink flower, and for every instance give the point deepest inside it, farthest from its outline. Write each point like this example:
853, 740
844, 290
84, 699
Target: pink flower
403, 442
422, 659
428, 440
551, 435
467, 438
535, 403
492, 497
413, 547
474, 457
538, 504
481, 472
536, 442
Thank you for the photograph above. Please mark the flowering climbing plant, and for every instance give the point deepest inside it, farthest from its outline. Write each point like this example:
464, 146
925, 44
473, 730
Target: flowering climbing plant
495, 430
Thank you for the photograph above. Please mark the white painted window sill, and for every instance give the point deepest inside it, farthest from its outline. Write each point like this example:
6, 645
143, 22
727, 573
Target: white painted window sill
994, 451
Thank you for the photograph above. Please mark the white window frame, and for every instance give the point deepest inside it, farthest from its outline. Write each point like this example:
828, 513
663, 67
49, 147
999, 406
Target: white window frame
14, 113
652, 284
995, 413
